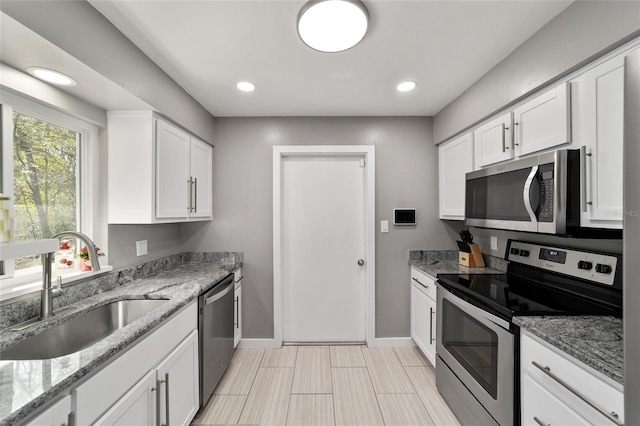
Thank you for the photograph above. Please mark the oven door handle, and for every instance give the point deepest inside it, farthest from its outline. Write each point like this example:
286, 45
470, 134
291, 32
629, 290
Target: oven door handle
475, 311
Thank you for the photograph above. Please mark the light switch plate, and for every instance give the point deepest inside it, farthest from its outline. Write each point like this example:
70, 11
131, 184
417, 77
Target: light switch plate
384, 226
494, 243
141, 248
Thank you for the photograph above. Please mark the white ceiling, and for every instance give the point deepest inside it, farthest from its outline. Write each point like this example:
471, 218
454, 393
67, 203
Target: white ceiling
22, 48
208, 46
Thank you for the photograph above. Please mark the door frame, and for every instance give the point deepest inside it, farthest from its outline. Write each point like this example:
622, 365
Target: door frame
368, 151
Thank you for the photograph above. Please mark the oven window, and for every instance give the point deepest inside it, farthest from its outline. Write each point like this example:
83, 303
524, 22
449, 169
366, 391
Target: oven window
472, 344
497, 197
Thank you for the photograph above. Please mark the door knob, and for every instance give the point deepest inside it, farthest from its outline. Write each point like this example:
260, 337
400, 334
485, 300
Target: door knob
360, 262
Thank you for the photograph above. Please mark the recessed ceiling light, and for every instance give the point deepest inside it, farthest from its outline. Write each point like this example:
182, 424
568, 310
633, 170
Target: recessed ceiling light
332, 25
245, 86
406, 86
51, 76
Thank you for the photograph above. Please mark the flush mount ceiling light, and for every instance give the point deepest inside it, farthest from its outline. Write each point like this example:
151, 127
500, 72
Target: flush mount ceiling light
246, 86
332, 25
51, 76
406, 86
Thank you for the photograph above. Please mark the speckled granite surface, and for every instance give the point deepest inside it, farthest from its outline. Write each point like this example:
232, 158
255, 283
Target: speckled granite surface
593, 340
27, 385
434, 262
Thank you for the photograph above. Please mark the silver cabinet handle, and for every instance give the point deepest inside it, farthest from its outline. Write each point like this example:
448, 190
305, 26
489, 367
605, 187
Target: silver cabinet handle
515, 133
166, 398
237, 307
504, 141
71, 420
416, 280
195, 196
613, 417
540, 422
157, 390
583, 176
239, 279
431, 339
190, 182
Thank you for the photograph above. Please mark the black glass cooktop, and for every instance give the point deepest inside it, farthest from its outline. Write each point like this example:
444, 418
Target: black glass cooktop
507, 296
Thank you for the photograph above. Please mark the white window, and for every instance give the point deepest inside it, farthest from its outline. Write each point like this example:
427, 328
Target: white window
47, 182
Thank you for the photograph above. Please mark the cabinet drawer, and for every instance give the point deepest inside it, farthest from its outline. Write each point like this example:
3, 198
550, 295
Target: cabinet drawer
425, 283
237, 278
543, 406
99, 392
571, 371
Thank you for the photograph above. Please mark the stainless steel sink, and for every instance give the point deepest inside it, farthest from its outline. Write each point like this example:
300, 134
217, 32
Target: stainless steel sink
81, 331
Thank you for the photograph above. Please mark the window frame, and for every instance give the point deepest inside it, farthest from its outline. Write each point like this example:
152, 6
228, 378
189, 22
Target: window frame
12, 285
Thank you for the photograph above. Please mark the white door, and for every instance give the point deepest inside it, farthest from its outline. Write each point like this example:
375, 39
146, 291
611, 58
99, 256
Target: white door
323, 237
202, 176
492, 141
172, 171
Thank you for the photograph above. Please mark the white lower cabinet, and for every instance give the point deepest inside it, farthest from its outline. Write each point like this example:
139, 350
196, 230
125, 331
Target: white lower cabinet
237, 307
58, 414
557, 389
423, 314
169, 391
134, 386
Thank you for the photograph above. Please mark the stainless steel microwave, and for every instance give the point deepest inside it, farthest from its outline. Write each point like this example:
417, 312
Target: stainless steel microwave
536, 194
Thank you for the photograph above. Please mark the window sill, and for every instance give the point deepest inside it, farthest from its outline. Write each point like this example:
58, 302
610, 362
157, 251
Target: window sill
28, 289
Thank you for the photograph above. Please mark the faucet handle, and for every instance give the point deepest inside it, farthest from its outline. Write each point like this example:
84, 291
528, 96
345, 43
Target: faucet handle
58, 290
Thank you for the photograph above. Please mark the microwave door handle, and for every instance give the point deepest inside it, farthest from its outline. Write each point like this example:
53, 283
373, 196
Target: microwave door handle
526, 194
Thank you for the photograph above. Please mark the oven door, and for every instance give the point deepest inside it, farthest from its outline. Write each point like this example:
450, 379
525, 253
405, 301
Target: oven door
479, 348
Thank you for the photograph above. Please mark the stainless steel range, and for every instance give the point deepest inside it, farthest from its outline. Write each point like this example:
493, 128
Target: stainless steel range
478, 345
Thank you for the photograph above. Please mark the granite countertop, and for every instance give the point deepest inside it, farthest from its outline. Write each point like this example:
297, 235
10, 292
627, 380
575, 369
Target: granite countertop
435, 267
27, 385
594, 340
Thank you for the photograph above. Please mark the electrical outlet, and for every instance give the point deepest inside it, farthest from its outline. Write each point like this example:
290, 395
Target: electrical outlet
141, 248
494, 243
384, 226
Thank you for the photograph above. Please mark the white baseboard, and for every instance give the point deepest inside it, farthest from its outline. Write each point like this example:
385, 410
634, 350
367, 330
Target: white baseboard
258, 344
391, 342
380, 342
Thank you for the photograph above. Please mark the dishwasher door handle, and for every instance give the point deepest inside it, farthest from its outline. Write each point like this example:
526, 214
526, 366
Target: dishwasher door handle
218, 296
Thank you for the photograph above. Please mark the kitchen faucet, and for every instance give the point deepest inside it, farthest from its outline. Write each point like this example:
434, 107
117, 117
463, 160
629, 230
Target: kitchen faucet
48, 293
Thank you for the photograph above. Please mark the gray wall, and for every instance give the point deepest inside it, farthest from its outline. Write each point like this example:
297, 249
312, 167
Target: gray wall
406, 175
162, 240
583, 30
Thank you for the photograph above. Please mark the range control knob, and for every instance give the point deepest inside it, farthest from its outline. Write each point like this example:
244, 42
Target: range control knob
603, 269
515, 251
583, 264
524, 253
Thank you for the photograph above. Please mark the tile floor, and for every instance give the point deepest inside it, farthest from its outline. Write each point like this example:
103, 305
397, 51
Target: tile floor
327, 385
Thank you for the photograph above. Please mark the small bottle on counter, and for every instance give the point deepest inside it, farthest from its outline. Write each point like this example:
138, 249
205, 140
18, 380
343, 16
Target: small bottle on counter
64, 258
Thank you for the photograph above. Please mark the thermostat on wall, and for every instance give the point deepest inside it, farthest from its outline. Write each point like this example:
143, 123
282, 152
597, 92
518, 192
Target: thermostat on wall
404, 216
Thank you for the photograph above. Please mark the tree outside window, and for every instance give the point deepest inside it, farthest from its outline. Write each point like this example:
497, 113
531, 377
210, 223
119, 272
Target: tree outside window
45, 164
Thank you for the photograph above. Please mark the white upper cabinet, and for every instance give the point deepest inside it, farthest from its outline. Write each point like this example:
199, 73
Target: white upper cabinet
172, 171
543, 122
201, 178
157, 172
598, 114
455, 160
492, 141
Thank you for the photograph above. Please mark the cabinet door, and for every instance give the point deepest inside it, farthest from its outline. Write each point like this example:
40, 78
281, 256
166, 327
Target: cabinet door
492, 141
237, 331
602, 136
541, 407
543, 122
56, 415
179, 388
423, 323
137, 407
172, 171
201, 175
455, 160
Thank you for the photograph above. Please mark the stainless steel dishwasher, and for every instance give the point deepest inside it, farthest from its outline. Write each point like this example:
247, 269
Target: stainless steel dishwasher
215, 329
